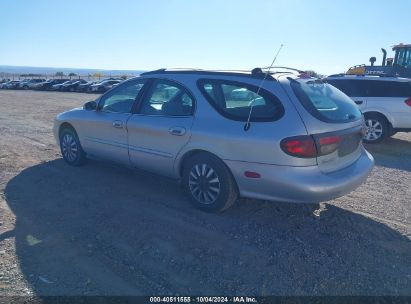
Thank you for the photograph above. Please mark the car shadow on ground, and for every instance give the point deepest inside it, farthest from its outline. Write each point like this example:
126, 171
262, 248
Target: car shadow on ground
105, 230
392, 153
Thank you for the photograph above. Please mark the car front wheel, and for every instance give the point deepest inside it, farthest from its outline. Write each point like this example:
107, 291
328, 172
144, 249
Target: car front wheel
376, 129
208, 183
71, 148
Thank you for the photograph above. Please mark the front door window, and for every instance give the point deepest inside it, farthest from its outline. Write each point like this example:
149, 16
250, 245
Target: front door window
121, 99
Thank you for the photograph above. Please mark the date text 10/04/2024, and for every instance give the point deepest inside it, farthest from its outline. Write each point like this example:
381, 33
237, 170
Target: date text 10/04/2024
203, 299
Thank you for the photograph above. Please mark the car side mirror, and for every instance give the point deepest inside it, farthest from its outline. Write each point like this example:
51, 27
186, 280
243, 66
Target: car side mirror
89, 106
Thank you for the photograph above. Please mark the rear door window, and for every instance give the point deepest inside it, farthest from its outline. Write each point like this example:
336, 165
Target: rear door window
349, 87
167, 98
324, 101
372, 88
378, 88
234, 100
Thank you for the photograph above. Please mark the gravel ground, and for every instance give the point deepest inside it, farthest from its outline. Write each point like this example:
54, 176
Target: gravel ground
107, 230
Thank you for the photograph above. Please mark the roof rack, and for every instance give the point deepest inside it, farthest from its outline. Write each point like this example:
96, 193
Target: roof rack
189, 70
256, 72
284, 68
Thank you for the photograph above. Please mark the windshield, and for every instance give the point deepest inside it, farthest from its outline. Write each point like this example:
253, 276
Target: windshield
324, 101
404, 57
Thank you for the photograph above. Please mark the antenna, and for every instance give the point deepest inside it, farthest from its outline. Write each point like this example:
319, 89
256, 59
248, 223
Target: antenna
248, 124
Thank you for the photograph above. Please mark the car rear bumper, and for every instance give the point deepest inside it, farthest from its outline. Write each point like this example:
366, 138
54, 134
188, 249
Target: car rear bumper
300, 184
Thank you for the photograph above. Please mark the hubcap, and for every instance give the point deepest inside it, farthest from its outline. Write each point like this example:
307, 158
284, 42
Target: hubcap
69, 147
204, 184
373, 129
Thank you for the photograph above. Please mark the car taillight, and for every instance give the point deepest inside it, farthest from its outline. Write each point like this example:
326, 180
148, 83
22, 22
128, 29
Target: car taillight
306, 147
408, 102
299, 146
328, 144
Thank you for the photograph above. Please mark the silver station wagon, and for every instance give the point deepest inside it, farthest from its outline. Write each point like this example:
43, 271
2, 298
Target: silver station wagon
279, 136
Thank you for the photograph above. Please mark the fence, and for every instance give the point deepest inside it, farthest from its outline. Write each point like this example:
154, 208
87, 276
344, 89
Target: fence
88, 77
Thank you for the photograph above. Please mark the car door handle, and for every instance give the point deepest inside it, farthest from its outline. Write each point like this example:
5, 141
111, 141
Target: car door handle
358, 102
117, 124
178, 131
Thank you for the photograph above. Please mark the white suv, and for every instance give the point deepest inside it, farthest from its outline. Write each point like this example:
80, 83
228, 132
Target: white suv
384, 101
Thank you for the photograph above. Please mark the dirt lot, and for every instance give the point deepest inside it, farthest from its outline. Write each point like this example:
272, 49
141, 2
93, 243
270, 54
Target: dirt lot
102, 229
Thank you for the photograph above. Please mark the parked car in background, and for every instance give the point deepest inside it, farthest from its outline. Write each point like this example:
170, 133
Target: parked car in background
384, 101
13, 84
58, 86
47, 85
111, 78
242, 94
33, 83
3, 83
42, 85
84, 87
22, 83
104, 86
301, 143
72, 86
29, 83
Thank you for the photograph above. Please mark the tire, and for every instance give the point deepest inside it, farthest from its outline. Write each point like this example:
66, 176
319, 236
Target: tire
25, 87
377, 128
208, 183
70, 148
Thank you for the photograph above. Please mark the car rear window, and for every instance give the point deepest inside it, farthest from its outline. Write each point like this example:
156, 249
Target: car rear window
234, 100
324, 101
372, 88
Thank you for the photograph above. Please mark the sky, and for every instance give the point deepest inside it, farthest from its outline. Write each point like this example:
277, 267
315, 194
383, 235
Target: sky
327, 36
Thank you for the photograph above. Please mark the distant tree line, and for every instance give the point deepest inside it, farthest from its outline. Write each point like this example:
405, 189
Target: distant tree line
61, 74
314, 74
31, 75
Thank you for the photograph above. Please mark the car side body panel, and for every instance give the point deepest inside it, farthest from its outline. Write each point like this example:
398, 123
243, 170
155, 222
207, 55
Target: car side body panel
90, 127
300, 184
394, 109
227, 139
155, 141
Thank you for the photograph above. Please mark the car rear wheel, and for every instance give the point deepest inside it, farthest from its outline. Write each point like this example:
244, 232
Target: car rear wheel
71, 148
209, 183
376, 128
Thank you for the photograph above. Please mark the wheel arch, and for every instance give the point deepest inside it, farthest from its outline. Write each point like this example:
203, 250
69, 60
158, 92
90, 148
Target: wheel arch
66, 125
183, 159
81, 154
384, 116
190, 153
